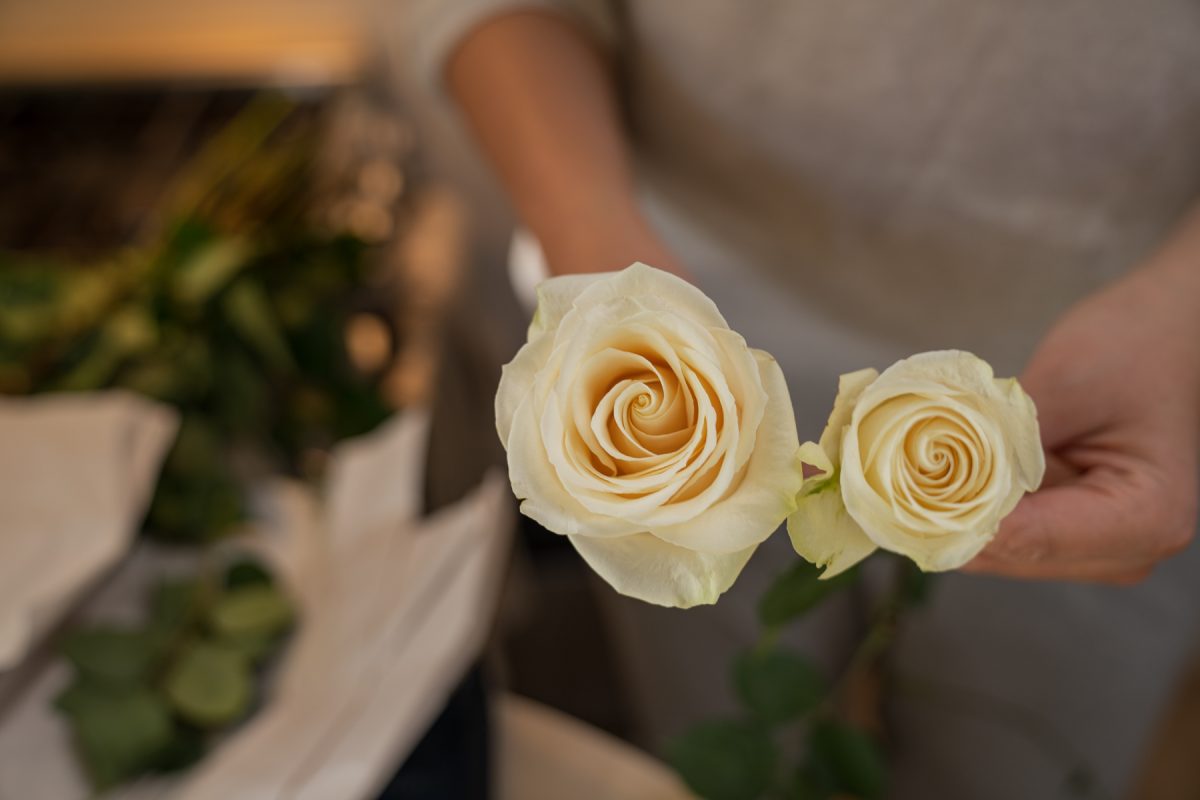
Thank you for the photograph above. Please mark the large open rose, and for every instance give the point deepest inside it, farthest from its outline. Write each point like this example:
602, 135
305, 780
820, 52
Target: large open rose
924, 460
644, 429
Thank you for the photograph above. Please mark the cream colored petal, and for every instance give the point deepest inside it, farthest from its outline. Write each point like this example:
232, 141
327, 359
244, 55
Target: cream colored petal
948, 368
864, 505
824, 534
814, 455
517, 378
555, 298
654, 509
1016, 416
850, 388
946, 553
649, 569
667, 291
744, 378
544, 498
767, 491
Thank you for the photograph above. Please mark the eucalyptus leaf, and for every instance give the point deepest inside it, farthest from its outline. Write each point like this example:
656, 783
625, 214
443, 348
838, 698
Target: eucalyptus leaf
255, 648
209, 685
725, 760
247, 571
187, 745
797, 591
174, 604
119, 732
251, 610
778, 685
111, 655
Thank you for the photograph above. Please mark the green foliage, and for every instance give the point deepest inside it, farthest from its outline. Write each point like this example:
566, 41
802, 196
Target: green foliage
209, 684
145, 698
797, 591
234, 312
249, 611
246, 572
118, 731
109, 655
777, 685
845, 760
916, 586
174, 605
725, 759
789, 701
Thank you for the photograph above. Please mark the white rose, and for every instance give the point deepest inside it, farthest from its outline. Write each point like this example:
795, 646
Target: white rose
924, 460
646, 431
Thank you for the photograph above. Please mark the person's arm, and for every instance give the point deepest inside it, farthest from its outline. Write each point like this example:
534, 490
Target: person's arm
541, 101
1117, 387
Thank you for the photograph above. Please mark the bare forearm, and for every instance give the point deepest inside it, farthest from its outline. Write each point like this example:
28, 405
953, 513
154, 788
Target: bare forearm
540, 99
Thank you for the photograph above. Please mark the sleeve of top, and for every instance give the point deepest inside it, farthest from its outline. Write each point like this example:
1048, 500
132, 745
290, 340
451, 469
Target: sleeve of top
433, 28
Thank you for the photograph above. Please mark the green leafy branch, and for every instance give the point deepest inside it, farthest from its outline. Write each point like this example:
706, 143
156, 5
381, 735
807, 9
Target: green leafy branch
148, 697
785, 697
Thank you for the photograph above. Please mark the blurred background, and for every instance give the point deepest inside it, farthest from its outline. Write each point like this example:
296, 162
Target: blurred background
234, 236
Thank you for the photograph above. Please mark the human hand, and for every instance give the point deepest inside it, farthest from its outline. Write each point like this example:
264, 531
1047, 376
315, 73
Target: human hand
1117, 387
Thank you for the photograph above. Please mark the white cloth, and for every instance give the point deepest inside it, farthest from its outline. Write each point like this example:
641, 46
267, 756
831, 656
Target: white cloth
393, 608
76, 473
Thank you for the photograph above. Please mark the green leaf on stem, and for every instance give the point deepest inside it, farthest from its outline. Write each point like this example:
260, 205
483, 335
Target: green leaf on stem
797, 591
725, 759
777, 685
846, 759
916, 585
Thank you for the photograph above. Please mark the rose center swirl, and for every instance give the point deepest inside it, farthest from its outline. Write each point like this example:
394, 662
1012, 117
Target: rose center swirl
943, 462
634, 413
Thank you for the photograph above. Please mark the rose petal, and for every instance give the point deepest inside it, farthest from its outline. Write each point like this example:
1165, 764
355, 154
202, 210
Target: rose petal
767, 491
556, 296
667, 292
649, 569
516, 378
536, 483
824, 534
814, 455
850, 388
1016, 415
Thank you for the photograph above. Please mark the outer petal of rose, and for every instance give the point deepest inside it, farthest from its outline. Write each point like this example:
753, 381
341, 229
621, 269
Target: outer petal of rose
646, 568
945, 553
824, 534
1016, 416
946, 368
517, 378
814, 455
556, 296
768, 489
543, 496
850, 388
664, 290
